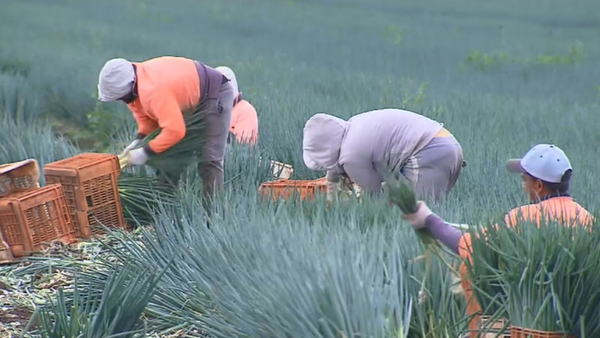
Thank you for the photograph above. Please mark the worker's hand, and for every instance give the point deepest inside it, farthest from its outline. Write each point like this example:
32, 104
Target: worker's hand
137, 157
417, 220
130, 147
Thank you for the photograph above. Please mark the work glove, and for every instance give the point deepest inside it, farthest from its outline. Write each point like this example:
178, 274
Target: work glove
130, 147
417, 219
137, 157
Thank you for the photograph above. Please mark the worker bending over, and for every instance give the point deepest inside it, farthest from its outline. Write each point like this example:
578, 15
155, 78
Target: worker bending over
546, 173
158, 92
368, 144
244, 120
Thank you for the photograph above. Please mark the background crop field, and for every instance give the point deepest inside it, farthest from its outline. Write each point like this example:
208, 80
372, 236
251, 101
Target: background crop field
501, 75
294, 58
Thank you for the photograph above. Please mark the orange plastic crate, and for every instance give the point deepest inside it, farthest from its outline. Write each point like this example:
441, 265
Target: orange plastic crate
91, 190
287, 188
519, 332
494, 329
19, 176
28, 219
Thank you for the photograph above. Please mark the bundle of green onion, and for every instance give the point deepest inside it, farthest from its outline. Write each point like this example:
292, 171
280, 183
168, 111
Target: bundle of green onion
401, 194
173, 161
140, 195
549, 275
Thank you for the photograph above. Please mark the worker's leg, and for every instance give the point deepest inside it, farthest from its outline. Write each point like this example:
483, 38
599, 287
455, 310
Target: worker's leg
217, 117
434, 170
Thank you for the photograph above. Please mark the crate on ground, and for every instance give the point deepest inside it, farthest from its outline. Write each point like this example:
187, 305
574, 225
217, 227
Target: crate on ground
90, 184
305, 189
29, 219
490, 328
19, 176
519, 332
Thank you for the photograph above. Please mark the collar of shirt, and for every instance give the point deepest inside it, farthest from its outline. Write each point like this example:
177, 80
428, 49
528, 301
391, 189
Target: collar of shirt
555, 195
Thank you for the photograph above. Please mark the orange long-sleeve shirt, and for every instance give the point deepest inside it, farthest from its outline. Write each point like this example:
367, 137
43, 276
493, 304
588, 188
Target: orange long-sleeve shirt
244, 123
561, 209
166, 87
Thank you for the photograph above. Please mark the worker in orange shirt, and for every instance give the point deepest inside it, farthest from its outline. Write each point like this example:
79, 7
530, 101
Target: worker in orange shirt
158, 92
546, 173
244, 120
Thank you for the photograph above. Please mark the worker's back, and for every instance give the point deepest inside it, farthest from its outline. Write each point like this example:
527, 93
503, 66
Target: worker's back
560, 209
387, 136
164, 78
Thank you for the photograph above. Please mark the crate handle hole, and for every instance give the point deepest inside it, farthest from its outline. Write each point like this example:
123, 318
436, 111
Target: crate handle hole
88, 199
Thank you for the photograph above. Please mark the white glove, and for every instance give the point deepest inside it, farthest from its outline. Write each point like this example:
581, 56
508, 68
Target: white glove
131, 146
137, 156
417, 220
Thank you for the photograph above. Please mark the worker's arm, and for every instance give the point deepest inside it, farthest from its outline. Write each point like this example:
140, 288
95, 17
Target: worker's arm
444, 232
334, 177
364, 174
423, 218
170, 119
146, 125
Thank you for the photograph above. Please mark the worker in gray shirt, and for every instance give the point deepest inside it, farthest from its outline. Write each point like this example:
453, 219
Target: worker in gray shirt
366, 145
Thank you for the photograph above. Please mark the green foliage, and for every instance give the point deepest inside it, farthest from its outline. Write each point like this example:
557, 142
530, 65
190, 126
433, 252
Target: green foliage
482, 61
395, 33
139, 195
296, 268
18, 99
114, 313
19, 141
269, 274
547, 281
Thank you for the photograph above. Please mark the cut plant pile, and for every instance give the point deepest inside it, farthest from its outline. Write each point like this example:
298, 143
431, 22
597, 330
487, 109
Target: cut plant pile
34, 280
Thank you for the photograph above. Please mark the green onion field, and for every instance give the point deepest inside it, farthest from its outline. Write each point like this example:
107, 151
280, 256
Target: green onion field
501, 76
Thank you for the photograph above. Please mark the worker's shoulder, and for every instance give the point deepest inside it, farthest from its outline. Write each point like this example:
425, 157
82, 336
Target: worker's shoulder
392, 115
559, 208
165, 69
523, 210
160, 60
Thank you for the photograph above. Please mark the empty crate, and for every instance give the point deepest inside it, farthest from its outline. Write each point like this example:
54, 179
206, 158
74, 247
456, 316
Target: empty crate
90, 184
19, 176
28, 219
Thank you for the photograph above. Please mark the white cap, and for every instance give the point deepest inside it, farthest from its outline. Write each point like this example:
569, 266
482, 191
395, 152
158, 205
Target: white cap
115, 80
230, 75
545, 162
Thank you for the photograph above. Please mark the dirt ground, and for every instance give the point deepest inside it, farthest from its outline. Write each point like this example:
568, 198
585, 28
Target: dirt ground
13, 320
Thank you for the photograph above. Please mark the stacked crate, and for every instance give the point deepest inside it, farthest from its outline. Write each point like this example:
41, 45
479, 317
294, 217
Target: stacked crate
19, 176
30, 216
90, 184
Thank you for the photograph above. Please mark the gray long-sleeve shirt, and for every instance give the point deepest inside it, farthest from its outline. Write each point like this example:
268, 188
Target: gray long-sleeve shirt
363, 146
